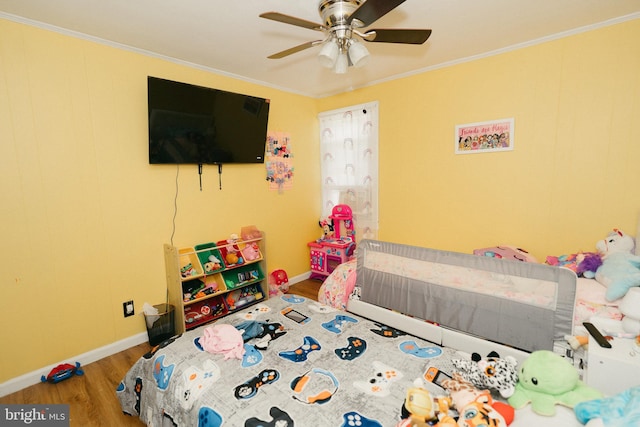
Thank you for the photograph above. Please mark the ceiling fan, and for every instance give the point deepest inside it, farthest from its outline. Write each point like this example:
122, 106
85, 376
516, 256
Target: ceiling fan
343, 24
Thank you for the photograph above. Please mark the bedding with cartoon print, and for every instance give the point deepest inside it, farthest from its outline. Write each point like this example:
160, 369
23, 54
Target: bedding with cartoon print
313, 366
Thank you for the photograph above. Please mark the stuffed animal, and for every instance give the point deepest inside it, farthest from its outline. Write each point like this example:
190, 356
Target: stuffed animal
588, 264
463, 395
620, 269
328, 230
480, 413
584, 264
213, 264
421, 409
545, 379
623, 409
490, 373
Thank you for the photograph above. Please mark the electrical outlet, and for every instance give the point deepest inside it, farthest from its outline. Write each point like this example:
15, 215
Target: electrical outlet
128, 309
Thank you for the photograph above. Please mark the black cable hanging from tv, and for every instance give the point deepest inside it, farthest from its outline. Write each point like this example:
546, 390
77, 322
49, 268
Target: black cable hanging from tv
200, 174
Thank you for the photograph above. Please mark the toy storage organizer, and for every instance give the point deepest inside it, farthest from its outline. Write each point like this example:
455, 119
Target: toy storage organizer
210, 280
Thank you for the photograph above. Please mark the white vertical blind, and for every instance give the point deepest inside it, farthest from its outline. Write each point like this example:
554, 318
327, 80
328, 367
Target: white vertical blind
349, 156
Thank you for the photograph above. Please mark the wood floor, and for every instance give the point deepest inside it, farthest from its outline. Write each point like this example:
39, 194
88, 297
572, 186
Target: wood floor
91, 397
306, 288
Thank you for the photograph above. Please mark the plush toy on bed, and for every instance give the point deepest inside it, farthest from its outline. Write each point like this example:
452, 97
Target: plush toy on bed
463, 395
622, 410
620, 269
584, 264
490, 373
421, 409
545, 379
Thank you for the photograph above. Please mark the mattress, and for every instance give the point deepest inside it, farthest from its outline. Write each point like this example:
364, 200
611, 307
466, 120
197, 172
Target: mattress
591, 303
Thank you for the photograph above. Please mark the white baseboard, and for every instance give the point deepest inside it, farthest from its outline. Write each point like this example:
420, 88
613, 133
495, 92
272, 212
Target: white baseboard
31, 378
299, 278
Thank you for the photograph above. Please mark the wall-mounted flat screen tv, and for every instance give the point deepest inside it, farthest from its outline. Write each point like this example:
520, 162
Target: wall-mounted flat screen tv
200, 125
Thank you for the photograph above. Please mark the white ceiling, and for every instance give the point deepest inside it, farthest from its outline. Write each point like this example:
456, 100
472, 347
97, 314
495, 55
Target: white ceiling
228, 36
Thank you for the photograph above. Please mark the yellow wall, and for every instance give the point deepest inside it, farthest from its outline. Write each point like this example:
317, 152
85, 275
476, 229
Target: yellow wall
84, 215
574, 173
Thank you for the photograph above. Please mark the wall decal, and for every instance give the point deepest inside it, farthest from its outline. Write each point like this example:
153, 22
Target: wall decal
279, 161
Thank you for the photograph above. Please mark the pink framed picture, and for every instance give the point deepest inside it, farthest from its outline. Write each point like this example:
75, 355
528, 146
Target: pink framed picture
484, 137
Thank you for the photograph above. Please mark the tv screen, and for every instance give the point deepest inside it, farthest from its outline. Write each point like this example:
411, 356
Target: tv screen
199, 125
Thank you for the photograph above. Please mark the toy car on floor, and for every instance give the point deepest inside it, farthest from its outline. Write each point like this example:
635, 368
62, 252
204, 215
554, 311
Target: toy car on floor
62, 372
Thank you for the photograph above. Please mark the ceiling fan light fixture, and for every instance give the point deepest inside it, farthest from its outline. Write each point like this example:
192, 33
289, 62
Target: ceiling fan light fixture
358, 54
329, 54
341, 21
342, 63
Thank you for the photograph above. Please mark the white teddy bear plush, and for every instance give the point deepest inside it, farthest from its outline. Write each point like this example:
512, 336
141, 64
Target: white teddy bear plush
620, 269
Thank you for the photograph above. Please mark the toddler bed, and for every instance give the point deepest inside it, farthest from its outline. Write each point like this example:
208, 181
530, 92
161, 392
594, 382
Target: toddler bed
310, 364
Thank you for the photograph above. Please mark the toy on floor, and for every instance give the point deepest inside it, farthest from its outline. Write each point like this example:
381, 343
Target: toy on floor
62, 372
545, 379
623, 409
278, 283
620, 269
490, 373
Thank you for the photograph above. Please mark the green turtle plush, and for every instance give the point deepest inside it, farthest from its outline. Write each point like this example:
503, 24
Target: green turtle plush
545, 379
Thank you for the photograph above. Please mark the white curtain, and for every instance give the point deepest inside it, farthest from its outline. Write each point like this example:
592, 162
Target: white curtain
349, 156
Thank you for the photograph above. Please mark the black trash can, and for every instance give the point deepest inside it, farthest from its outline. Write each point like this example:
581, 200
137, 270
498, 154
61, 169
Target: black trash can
160, 327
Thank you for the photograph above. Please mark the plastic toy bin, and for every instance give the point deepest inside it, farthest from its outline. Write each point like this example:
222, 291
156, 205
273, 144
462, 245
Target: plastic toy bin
161, 327
202, 312
242, 275
210, 258
190, 266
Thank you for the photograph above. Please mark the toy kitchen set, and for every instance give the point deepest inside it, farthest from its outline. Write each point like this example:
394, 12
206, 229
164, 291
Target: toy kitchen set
336, 246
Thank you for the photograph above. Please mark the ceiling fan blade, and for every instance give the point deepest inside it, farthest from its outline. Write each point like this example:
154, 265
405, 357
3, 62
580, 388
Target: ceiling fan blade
292, 20
372, 10
294, 49
397, 36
